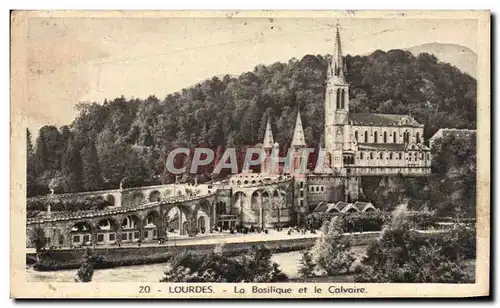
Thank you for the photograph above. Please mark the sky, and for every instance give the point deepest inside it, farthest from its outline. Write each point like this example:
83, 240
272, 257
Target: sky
70, 60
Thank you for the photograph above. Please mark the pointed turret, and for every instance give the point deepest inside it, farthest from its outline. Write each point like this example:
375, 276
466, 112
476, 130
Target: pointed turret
337, 71
268, 137
298, 134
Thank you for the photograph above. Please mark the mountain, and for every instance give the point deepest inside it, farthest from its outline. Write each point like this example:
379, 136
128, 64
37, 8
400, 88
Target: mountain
460, 56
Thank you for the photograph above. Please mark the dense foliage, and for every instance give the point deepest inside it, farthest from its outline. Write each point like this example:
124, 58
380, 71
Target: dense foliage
371, 221
252, 266
307, 266
126, 140
453, 190
332, 250
86, 270
40, 204
450, 190
38, 238
352, 222
402, 255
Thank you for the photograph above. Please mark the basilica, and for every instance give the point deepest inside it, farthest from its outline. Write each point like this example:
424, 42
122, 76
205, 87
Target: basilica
356, 145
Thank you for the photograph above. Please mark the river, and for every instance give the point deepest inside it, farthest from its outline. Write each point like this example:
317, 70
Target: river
289, 263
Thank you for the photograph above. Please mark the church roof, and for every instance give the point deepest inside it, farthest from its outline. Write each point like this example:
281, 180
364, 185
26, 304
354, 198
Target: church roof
321, 207
298, 134
392, 147
341, 205
268, 136
382, 146
382, 119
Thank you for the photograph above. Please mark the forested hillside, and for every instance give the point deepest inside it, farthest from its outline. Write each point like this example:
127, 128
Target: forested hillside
127, 139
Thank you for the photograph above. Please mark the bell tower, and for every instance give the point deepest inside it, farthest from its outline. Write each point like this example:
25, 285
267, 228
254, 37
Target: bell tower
336, 108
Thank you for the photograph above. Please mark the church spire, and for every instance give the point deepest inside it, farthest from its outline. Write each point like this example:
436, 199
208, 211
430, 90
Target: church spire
268, 136
337, 70
298, 134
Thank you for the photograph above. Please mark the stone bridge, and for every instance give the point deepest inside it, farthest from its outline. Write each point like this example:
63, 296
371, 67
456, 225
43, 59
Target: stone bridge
140, 223
158, 210
137, 195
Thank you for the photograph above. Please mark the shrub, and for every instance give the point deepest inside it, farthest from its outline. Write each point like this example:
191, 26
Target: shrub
404, 255
86, 270
364, 221
253, 266
460, 243
423, 220
71, 205
307, 265
332, 251
353, 222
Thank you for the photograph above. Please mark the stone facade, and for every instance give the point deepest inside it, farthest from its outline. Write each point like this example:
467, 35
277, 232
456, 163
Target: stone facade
356, 145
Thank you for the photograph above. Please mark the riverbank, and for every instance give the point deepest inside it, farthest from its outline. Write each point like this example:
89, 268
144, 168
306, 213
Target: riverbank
289, 263
109, 257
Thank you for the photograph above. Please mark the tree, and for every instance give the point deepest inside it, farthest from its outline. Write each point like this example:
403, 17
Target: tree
91, 173
39, 239
332, 251
86, 270
72, 168
307, 265
402, 255
31, 183
41, 156
252, 266
263, 269
54, 147
29, 144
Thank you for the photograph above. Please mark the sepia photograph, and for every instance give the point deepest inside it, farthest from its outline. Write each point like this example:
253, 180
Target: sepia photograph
250, 154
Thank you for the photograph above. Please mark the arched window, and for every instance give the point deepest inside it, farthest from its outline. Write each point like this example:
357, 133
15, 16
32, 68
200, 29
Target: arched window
381, 155
390, 155
375, 137
418, 137
385, 137
338, 98
345, 96
406, 137
400, 155
342, 105
360, 155
356, 135
394, 137
366, 136
371, 155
